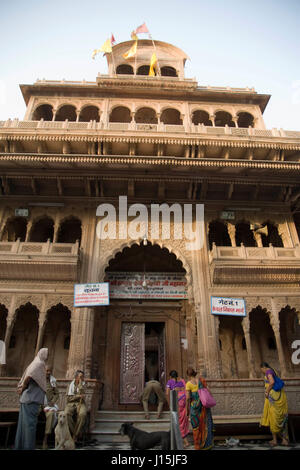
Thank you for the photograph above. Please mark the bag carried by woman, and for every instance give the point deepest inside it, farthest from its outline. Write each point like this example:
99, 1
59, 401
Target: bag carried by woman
205, 396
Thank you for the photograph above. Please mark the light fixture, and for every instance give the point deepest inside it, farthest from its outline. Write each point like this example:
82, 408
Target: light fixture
145, 242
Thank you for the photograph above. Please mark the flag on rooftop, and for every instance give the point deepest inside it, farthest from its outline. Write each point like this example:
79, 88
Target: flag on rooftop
131, 52
106, 48
141, 29
153, 63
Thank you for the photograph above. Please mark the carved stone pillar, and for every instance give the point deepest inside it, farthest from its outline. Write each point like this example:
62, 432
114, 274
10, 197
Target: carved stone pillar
275, 323
250, 357
10, 322
231, 233
75, 357
42, 324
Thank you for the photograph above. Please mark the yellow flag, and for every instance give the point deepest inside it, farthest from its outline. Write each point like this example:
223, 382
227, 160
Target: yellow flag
134, 36
153, 63
106, 47
131, 52
95, 52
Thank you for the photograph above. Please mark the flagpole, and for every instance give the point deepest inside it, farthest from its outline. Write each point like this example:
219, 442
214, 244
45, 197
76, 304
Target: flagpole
135, 57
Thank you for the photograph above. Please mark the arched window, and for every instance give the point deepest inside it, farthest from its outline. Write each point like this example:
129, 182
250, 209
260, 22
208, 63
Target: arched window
124, 69
69, 231
201, 117
146, 115
23, 340
66, 112
89, 113
243, 234
143, 70
223, 118
245, 120
218, 234
171, 116
120, 114
168, 71
42, 230
57, 338
44, 111
15, 228
272, 237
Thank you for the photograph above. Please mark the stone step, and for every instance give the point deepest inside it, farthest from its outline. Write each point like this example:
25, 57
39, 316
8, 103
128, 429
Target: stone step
108, 423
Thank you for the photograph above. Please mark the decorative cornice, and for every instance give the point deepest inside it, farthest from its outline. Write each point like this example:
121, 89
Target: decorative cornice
215, 142
149, 160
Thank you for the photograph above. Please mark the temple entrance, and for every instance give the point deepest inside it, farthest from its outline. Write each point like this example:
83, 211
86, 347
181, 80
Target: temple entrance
142, 333
142, 358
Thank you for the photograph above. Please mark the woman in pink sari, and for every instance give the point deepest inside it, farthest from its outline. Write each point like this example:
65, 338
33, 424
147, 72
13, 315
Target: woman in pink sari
178, 384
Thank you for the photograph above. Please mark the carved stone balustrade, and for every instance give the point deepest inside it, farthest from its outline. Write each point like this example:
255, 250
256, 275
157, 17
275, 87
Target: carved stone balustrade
43, 261
239, 265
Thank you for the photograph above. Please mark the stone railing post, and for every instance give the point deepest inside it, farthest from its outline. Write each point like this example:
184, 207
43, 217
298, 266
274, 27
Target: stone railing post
250, 357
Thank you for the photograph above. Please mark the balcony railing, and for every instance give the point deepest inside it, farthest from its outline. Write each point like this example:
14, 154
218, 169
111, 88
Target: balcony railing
230, 253
33, 248
142, 127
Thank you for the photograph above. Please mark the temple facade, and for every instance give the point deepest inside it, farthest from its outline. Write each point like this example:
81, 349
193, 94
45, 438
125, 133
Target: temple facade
155, 140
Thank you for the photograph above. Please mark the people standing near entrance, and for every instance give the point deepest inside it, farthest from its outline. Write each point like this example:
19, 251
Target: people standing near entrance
155, 387
275, 412
76, 404
50, 408
201, 418
178, 384
32, 390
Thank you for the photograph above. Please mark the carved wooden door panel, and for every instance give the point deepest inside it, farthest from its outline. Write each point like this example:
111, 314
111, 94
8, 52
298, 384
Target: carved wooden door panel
132, 362
162, 358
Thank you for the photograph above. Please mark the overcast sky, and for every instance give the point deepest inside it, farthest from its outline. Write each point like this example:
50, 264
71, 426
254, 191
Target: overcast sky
236, 43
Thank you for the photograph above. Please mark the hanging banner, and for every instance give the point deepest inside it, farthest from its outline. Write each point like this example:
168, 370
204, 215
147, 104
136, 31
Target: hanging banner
131, 285
228, 306
91, 295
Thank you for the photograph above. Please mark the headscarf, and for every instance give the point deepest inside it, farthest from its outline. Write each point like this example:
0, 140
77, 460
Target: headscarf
37, 370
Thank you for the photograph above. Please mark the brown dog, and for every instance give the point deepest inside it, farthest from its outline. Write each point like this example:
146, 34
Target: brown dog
63, 438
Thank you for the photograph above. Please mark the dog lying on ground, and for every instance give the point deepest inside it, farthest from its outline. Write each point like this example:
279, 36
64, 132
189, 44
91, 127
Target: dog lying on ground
63, 439
141, 440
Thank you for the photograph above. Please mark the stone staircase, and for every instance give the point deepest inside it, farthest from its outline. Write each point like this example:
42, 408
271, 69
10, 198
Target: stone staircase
108, 423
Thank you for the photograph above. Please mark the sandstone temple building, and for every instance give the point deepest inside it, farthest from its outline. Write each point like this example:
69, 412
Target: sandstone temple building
160, 139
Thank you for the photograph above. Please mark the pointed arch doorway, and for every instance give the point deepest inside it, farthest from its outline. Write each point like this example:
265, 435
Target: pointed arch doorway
144, 333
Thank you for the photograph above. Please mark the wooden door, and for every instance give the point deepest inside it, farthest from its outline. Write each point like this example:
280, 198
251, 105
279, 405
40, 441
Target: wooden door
132, 368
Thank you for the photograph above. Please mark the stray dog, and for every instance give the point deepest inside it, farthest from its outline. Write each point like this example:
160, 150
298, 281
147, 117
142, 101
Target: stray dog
141, 440
63, 439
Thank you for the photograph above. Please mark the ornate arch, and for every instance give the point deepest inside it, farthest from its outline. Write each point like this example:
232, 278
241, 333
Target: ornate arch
115, 247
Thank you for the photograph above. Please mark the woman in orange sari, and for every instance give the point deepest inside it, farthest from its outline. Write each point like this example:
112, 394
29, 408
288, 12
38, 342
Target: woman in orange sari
201, 418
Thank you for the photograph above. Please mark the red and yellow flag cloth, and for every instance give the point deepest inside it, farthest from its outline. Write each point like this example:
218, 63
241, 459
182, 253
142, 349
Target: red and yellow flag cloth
141, 29
153, 64
131, 52
106, 47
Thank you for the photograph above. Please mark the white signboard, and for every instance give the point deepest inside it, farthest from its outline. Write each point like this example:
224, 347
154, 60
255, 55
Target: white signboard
228, 306
91, 295
132, 285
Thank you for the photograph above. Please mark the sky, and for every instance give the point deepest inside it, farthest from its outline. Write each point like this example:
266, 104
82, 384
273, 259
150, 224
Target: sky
237, 43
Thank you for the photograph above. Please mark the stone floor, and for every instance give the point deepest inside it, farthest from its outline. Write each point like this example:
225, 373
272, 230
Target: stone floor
219, 445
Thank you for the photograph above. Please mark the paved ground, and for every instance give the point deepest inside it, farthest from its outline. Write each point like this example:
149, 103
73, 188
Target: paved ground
219, 445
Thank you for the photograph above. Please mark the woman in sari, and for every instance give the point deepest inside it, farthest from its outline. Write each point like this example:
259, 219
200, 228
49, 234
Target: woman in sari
178, 384
275, 413
201, 418
32, 390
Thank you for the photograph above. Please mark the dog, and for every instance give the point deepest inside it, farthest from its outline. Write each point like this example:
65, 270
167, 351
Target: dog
63, 438
141, 440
